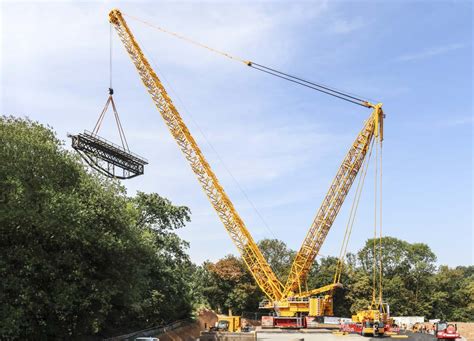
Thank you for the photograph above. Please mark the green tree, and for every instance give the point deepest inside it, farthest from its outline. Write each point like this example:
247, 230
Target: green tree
278, 255
229, 285
454, 294
77, 256
359, 295
407, 270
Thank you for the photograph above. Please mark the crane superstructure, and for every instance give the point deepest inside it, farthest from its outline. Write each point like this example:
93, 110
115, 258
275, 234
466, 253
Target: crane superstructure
288, 299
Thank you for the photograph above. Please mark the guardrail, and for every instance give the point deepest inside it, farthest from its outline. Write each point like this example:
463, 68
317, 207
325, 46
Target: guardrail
153, 331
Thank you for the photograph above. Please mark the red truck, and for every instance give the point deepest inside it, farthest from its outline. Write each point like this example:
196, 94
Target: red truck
283, 322
445, 331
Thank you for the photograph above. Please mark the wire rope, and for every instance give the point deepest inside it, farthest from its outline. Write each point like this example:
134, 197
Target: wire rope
332, 91
110, 58
308, 82
191, 41
352, 215
310, 85
374, 254
380, 234
110, 100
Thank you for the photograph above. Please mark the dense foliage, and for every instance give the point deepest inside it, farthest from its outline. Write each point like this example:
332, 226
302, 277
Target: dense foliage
77, 256
412, 284
227, 284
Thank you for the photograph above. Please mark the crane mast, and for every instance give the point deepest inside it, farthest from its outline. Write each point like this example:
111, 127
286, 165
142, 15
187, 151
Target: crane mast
333, 201
234, 225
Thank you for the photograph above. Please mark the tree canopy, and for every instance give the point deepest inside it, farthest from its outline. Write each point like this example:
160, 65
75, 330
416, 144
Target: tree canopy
78, 256
412, 283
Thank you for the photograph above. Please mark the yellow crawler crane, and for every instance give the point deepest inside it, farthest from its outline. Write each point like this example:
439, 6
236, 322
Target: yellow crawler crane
287, 300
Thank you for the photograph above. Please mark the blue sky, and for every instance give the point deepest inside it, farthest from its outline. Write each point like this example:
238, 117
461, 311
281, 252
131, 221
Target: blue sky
282, 143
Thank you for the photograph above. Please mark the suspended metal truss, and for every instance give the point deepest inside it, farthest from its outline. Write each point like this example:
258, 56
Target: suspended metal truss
107, 157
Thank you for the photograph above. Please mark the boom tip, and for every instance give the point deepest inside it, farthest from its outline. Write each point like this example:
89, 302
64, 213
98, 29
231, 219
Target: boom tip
113, 14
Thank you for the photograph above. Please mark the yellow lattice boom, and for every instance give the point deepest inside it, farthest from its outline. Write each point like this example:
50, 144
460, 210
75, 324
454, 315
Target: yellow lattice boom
333, 201
234, 225
265, 278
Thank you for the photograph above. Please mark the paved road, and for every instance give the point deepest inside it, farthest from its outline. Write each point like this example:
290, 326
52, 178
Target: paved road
415, 337
289, 336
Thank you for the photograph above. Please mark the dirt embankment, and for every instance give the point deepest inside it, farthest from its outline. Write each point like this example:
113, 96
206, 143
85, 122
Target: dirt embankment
466, 329
206, 319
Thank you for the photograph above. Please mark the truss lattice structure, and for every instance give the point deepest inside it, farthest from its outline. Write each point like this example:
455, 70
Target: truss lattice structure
107, 157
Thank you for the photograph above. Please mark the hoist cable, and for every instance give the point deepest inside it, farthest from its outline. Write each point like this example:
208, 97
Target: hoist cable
356, 206
110, 57
374, 268
110, 100
294, 79
352, 215
380, 234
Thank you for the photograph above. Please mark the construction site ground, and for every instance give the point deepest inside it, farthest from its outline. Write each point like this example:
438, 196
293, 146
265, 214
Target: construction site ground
196, 331
207, 318
313, 335
319, 335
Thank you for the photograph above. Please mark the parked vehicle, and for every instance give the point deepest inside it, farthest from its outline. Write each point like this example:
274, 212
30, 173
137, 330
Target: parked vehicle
228, 324
445, 331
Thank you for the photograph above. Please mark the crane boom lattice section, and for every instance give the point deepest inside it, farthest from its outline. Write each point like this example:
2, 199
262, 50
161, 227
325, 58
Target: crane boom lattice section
234, 225
332, 203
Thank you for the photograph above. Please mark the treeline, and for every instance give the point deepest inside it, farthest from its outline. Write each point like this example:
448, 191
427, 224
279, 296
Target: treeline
81, 259
412, 283
78, 257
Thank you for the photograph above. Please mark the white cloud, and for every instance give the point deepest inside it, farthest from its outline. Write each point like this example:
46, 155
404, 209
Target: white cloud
430, 52
57, 72
457, 121
248, 31
54, 68
344, 26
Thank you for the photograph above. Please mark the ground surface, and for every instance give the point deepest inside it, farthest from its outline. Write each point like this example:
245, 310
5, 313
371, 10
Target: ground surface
466, 329
306, 336
288, 336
